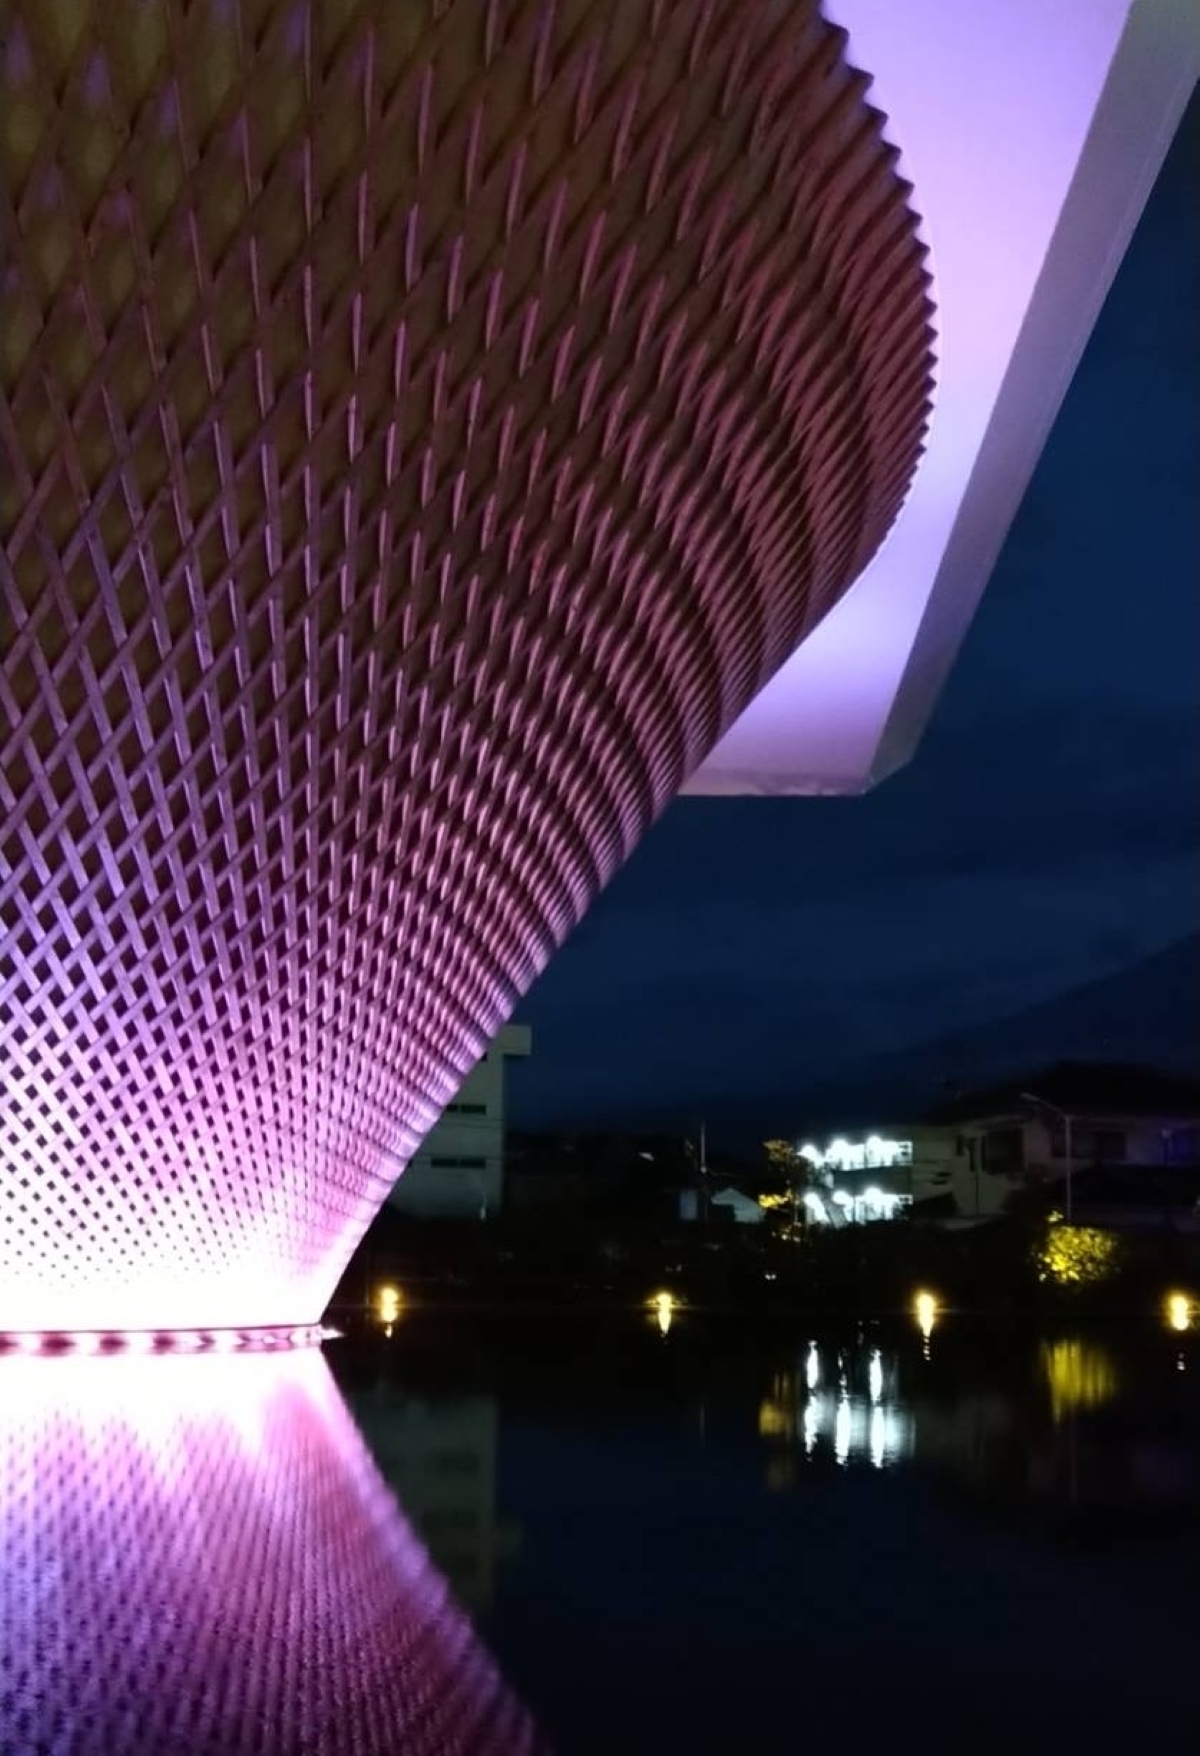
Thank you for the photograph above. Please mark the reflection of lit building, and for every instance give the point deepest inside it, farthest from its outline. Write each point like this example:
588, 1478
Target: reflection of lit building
200, 1555
842, 1404
1015, 1431
440, 1457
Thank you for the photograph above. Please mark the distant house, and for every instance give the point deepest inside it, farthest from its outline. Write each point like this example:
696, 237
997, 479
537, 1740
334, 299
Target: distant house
744, 1211
1126, 1135
1116, 1132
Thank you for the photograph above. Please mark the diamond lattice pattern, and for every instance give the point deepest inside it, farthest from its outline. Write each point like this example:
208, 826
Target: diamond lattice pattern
424, 429
201, 1559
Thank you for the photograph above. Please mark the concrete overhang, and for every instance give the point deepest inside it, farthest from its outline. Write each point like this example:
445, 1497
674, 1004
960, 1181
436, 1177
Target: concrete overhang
1032, 135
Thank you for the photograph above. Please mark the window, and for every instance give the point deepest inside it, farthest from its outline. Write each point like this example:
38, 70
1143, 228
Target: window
459, 1164
454, 1463
449, 1520
1089, 1144
466, 1109
1005, 1150
1181, 1146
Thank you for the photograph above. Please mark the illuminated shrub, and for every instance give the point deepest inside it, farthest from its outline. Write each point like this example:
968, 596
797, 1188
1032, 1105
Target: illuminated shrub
1077, 1256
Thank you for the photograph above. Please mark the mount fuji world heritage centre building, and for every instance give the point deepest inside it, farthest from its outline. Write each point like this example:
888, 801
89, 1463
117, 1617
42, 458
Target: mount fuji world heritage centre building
432, 435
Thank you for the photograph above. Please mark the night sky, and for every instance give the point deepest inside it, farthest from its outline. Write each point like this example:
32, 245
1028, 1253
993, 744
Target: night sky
1045, 834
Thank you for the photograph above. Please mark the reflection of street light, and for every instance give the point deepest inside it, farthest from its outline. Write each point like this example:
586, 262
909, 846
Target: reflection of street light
663, 1306
1031, 1097
926, 1308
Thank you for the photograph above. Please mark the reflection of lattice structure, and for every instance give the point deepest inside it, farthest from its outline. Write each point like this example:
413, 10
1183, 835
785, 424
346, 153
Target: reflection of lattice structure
440, 1457
200, 1556
424, 428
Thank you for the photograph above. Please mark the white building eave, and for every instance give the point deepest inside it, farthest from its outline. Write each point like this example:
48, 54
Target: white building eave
1032, 135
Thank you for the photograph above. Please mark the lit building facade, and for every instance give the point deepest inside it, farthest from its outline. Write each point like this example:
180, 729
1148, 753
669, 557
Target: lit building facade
1106, 1132
856, 1181
426, 430
1116, 1137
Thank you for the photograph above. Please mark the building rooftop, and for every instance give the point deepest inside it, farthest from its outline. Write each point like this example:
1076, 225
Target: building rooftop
1096, 1088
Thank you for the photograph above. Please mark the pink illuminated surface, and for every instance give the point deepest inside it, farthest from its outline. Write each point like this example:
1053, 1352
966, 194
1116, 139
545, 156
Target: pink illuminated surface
160, 1341
424, 430
200, 1557
1033, 134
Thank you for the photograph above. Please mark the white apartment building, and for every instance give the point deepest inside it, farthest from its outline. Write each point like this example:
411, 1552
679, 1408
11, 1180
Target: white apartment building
458, 1170
1006, 1140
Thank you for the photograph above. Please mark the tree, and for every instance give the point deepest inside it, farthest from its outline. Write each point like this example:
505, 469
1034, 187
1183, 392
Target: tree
786, 1163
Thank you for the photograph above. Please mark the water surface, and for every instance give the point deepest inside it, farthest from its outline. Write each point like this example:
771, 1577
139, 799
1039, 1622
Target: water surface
661, 1532
743, 1537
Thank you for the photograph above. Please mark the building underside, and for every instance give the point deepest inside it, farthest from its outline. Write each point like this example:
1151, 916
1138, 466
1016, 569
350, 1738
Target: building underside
425, 431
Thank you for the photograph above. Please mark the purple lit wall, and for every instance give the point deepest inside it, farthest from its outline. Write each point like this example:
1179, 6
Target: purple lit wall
200, 1556
424, 430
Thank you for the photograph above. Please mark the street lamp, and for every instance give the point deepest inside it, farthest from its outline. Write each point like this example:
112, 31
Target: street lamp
1031, 1097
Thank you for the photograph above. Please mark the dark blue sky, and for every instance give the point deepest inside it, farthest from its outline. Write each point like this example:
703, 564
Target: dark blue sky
1046, 833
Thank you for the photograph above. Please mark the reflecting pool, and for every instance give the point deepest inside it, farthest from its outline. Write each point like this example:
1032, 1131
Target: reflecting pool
491, 1535
926, 1534
201, 1557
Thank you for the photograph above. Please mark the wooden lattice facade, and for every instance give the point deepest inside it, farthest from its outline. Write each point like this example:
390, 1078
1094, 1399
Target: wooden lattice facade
424, 428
